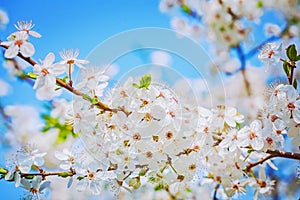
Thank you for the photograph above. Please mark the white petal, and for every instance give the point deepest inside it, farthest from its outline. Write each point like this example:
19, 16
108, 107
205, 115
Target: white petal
49, 59
103, 78
81, 185
61, 156
65, 166
257, 144
296, 116
95, 187
17, 179
296, 112
256, 125
39, 161
27, 49
44, 185
57, 69
70, 182
35, 34
230, 121
12, 51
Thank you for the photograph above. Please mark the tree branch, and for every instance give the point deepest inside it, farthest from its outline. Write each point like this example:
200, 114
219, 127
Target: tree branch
44, 174
273, 154
61, 83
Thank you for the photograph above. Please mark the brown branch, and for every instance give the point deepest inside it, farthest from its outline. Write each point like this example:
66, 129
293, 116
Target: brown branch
44, 174
292, 66
273, 154
61, 83
216, 192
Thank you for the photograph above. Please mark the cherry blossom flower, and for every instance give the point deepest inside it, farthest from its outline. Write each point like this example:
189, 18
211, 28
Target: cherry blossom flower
18, 43
270, 54
293, 103
94, 80
92, 178
36, 185
70, 57
68, 158
252, 135
231, 140
272, 29
29, 156
47, 71
25, 26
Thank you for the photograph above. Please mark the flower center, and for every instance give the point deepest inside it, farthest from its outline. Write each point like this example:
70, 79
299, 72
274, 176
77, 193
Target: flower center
252, 135
69, 62
137, 137
72, 160
45, 71
91, 176
270, 54
291, 106
149, 154
169, 135
18, 42
269, 140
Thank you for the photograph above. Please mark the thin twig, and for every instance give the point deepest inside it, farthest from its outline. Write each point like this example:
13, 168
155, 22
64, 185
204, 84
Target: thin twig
61, 83
273, 154
215, 192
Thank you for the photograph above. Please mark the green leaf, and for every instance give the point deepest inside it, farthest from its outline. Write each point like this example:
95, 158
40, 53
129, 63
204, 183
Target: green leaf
297, 58
80, 178
291, 52
87, 97
143, 172
3, 171
65, 78
64, 174
135, 85
286, 68
250, 151
185, 8
161, 186
259, 4
29, 177
31, 75
295, 84
64, 130
144, 82
95, 101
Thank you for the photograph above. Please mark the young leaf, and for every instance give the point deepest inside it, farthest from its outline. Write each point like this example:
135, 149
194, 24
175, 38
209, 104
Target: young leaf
3, 171
95, 101
286, 68
87, 97
64, 175
295, 84
291, 52
297, 58
31, 75
145, 81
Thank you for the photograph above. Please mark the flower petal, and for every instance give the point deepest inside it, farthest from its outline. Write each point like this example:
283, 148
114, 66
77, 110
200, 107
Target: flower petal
12, 51
27, 49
